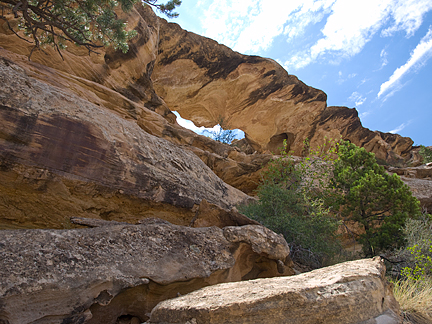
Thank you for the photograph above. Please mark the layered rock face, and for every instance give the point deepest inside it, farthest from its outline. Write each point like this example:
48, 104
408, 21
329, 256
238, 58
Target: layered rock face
77, 159
344, 122
351, 292
102, 274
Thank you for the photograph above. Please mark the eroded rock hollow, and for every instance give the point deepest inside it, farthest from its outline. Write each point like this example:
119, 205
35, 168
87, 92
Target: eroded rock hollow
98, 275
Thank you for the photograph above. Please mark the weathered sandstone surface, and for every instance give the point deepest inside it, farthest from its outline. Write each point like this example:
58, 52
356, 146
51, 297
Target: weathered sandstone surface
100, 274
419, 179
64, 156
351, 292
344, 122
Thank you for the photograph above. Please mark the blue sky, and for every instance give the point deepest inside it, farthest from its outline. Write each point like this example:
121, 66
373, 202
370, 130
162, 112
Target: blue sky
374, 55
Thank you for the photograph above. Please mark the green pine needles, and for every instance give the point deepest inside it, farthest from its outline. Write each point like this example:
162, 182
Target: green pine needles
425, 153
364, 192
89, 23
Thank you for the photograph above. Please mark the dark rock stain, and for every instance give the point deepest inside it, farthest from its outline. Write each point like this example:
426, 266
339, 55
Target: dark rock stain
218, 60
263, 92
57, 143
332, 114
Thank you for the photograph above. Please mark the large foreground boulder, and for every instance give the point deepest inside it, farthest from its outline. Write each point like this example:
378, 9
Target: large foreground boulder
101, 274
351, 292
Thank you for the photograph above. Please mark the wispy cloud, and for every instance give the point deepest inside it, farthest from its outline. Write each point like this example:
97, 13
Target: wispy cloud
247, 25
365, 114
363, 81
400, 127
384, 60
407, 16
419, 56
251, 26
357, 98
342, 78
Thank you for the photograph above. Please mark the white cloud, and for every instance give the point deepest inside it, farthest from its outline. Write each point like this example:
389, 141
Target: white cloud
419, 56
350, 26
309, 12
384, 60
190, 125
247, 25
250, 26
407, 16
399, 128
357, 98
365, 114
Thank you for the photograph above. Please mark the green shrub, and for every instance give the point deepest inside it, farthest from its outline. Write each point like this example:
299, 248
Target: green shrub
362, 191
422, 260
286, 205
425, 153
338, 181
414, 290
418, 251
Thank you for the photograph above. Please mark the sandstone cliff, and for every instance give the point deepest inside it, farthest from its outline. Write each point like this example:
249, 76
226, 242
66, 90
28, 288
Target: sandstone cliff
68, 156
205, 81
419, 179
166, 68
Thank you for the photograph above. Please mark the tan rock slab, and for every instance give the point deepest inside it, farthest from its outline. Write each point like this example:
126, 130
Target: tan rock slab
351, 292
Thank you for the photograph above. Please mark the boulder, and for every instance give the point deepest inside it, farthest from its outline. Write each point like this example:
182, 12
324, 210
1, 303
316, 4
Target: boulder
102, 274
420, 172
351, 292
422, 190
419, 179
